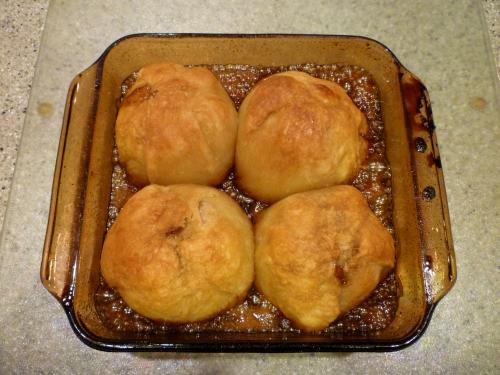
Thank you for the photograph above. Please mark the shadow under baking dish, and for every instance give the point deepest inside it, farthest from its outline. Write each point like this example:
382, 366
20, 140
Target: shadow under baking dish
82, 185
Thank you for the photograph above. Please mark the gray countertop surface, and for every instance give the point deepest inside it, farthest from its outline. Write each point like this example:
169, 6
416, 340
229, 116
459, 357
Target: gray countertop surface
451, 46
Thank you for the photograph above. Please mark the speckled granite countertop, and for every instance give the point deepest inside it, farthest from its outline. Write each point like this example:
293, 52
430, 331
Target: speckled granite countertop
445, 43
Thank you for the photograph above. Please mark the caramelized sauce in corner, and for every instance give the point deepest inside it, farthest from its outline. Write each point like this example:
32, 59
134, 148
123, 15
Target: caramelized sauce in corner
255, 313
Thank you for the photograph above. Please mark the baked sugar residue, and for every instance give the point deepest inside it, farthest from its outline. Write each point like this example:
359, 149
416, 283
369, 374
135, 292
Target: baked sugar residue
256, 314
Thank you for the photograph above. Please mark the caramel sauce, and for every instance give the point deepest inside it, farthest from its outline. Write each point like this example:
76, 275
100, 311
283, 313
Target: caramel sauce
256, 313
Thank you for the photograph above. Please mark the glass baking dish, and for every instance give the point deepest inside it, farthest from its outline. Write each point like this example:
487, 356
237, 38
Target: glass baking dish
81, 191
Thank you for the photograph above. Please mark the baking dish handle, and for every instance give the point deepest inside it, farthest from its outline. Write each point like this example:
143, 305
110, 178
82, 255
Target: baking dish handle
438, 255
64, 222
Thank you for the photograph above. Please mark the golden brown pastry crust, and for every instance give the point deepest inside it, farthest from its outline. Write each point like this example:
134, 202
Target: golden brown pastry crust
176, 125
180, 253
320, 253
297, 133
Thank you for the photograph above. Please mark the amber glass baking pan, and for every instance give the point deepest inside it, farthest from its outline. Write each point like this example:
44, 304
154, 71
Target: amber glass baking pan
81, 192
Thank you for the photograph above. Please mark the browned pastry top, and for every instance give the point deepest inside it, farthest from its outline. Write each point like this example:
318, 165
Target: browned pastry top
297, 133
320, 253
176, 125
180, 253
